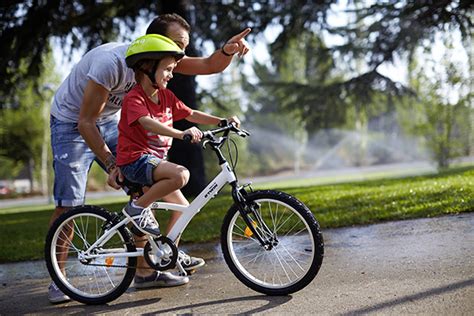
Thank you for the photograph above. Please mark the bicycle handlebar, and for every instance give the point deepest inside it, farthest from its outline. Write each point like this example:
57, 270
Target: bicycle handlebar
225, 129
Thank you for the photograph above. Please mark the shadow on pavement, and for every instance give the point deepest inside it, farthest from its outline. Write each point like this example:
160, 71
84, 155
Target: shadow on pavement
106, 308
272, 301
410, 298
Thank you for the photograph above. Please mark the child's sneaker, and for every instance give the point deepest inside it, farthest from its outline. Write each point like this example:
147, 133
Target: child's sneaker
142, 218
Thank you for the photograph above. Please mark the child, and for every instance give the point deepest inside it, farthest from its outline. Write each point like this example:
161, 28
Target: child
146, 129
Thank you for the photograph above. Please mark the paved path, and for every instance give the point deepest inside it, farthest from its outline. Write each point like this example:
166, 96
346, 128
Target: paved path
423, 266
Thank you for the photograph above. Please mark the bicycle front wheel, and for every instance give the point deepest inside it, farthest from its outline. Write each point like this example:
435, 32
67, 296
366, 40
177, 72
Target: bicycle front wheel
95, 279
294, 250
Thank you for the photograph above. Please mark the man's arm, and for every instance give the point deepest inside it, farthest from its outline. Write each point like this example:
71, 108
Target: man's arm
218, 61
93, 103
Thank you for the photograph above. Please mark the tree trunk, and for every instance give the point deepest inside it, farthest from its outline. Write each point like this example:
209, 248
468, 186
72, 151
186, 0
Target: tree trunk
184, 87
31, 166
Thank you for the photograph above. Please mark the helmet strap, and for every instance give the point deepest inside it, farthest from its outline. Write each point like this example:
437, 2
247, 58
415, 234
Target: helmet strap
151, 73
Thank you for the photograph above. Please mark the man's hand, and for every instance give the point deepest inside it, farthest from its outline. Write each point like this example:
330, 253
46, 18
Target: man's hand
237, 44
112, 178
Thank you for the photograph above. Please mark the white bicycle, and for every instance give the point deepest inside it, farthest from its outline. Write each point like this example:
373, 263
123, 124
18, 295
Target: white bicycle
270, 240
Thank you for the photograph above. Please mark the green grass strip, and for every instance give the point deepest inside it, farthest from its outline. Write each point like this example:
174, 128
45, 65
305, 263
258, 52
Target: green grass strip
22, 231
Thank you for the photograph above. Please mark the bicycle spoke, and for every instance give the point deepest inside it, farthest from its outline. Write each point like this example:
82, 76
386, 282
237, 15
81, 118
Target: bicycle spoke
281, 263
91, 279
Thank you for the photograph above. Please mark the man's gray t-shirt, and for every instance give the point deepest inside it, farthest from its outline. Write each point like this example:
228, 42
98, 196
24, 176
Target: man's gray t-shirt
104, 65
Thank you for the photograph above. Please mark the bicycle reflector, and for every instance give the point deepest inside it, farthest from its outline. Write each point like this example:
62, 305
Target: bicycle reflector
109, 261
248, 232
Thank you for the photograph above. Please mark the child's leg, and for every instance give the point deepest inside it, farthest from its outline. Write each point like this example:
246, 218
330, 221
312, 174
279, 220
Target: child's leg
168, 177
178, 198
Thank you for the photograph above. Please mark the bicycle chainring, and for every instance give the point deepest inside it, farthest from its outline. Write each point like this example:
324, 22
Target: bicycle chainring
167, 258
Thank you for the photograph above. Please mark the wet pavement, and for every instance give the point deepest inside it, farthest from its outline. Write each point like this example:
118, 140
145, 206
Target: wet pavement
423, 266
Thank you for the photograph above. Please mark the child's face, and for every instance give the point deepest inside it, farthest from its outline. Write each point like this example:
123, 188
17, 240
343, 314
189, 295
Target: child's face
164, 72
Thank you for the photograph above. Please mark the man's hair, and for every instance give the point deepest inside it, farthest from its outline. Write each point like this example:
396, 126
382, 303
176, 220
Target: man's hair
160, 24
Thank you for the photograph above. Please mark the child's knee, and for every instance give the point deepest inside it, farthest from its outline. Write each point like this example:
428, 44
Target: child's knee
181, 177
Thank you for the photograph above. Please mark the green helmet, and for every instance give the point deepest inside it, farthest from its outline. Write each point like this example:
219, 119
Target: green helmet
151, 46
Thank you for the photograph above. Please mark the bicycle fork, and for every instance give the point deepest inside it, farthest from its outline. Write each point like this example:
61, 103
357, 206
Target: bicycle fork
264, 235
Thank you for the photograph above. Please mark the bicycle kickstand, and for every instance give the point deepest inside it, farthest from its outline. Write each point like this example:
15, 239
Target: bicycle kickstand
181, 270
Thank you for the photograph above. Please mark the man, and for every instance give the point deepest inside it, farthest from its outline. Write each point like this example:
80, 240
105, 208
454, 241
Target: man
84, 123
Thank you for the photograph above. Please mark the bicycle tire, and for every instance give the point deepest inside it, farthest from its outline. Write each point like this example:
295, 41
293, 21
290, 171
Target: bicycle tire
295, 259
98, 281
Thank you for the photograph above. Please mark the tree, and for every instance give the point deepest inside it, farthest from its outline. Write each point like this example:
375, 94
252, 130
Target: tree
78, 24
380, 31
24, 123
442, 114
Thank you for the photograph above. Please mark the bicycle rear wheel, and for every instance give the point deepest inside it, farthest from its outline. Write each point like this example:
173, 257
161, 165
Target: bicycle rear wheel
295, 250
90, 281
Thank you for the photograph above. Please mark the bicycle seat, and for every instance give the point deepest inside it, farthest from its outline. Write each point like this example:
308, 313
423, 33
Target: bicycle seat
133, 188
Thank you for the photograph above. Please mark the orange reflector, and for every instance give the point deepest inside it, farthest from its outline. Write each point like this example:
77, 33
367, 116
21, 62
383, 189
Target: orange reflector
248, 233
109, 261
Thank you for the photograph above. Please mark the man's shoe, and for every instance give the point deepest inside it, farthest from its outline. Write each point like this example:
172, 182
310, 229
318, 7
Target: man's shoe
146, 222
189, 263
160, 279
55, 295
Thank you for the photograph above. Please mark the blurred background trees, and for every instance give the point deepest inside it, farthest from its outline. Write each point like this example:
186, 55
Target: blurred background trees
324, 78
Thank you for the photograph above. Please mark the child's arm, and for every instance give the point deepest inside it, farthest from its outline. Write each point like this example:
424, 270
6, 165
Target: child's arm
203, 118
158, 128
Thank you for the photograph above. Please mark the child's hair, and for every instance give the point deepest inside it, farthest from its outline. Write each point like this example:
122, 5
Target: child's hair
143, 66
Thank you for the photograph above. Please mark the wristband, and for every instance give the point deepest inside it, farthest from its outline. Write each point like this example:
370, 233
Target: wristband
223, 51
110, 163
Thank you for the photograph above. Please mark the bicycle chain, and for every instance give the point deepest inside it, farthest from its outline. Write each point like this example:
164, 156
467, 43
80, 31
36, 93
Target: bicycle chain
115, 266
120, 266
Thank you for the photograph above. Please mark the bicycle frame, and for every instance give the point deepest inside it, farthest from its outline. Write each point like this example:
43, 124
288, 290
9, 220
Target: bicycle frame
187, 213
226, 175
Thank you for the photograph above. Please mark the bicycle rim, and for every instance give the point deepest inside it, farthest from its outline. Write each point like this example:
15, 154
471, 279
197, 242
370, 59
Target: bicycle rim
89, 281
288, 262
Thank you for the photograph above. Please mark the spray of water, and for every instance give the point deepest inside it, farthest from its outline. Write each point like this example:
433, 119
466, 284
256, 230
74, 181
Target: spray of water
334, 149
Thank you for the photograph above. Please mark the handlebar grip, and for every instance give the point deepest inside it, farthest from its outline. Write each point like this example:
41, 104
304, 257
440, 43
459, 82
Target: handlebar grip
187, 138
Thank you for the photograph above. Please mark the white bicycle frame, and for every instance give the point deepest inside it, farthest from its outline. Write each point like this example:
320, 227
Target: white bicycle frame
187, 213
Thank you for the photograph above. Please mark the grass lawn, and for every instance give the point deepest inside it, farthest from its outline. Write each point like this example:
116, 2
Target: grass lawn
22, 230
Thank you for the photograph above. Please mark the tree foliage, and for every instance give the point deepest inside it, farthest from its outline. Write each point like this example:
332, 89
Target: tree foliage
316, 84
386, 28
23, 122
443, 113
380, 31
27, 26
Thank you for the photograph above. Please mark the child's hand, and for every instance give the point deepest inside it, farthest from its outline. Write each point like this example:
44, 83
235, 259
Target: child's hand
234, 119
195, 133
